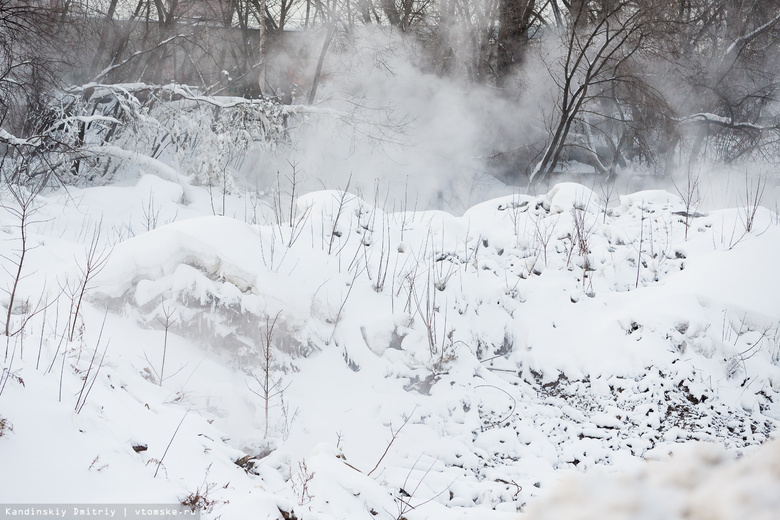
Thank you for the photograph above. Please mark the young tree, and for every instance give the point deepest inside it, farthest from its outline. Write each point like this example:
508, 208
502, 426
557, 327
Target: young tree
270, 386
22, 208
598, 40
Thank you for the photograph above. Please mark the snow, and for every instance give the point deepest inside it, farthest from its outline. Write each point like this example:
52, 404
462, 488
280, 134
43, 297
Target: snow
158, 167
538, 356
11, 139
698, 483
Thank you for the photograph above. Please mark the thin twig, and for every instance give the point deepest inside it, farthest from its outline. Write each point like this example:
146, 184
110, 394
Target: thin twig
392, 440
159, 463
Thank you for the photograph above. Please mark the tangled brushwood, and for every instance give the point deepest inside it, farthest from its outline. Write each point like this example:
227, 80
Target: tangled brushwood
87, 134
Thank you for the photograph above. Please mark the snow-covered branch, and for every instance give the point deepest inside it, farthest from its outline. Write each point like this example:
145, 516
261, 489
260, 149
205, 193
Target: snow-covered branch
740, 42
161, 169
12, 140
177, 92
726, 122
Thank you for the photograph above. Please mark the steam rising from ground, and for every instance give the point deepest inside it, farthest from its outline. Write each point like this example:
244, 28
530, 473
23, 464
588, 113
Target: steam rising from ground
405, 137
417, 136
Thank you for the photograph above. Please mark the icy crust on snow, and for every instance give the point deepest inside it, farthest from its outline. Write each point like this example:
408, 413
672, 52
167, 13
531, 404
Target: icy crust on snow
432, 366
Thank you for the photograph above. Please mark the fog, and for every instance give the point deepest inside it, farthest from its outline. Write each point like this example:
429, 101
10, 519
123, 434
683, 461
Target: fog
408, 133
397, 133
419, 116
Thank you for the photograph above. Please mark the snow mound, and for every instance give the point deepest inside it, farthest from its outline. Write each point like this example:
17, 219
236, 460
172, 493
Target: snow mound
702, 483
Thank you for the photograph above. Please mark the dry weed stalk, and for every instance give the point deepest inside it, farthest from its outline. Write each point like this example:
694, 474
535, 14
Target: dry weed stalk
690, 194
269, 387
95, 261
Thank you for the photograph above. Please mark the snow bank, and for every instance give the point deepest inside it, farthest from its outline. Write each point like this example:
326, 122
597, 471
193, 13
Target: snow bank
416, 364
699, 483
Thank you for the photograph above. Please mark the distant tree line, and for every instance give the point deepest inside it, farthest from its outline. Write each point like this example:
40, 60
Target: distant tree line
656, 83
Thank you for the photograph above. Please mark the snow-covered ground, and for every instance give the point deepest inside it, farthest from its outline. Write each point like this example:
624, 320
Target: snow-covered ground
331, 357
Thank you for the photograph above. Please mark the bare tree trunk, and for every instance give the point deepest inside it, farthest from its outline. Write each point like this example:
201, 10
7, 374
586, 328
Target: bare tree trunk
514, 19
391, 12
94, 66
323, 52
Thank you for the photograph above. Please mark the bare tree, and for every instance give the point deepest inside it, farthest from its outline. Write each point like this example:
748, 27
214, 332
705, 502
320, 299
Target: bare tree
23, 209
29, 63
729, 76
596, 45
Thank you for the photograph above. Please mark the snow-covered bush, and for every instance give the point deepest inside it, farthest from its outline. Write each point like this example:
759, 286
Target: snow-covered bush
205, 138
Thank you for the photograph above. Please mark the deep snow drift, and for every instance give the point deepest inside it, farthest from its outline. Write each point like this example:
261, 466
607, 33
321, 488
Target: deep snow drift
329, 356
